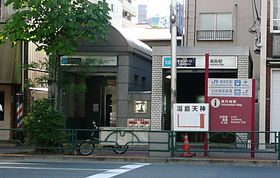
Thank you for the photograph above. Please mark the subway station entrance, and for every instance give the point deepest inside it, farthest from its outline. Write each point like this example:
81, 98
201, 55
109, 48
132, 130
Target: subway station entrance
190, 88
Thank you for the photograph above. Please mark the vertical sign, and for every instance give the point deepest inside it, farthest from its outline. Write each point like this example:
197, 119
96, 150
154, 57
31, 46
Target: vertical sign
230, 104
2, 105
191, 117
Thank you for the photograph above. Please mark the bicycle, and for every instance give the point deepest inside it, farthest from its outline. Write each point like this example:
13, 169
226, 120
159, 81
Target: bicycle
87, 147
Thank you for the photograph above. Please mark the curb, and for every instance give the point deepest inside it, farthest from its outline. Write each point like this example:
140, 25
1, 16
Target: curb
168, 160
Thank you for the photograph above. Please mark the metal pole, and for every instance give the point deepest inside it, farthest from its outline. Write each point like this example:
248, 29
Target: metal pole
262, 94
206, 135
173, 21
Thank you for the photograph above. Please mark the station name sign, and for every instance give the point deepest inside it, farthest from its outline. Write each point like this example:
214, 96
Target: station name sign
88, 60
198, 62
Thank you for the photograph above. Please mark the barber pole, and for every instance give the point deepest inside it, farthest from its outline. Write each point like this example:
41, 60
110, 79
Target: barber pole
19, 111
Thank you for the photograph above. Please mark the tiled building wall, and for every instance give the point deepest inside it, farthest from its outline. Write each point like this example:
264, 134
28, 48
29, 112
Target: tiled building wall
156, 103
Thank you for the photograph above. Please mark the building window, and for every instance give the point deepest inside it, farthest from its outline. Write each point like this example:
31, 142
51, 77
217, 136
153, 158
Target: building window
2, 105
136, 79
215, 26
275, 16
144, 83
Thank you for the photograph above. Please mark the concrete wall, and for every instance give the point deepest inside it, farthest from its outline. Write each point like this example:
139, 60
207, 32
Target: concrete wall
128, 67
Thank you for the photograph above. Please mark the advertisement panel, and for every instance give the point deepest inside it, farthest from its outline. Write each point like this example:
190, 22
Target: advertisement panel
191, 117
231, 104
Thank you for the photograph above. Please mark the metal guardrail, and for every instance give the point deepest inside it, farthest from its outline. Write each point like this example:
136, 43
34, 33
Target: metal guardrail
146, 142
206, 35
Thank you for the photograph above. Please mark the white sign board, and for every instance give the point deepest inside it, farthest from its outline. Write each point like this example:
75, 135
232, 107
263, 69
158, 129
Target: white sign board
88, 60
191, 117
198, 62
229, 87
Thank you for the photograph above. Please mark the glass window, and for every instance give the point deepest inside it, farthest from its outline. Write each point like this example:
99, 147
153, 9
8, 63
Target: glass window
276, 15
216, 21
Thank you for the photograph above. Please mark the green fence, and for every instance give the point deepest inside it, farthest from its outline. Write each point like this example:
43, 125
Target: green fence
153, 143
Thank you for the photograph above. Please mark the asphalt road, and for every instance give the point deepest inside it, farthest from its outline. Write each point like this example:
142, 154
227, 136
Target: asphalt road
12, 169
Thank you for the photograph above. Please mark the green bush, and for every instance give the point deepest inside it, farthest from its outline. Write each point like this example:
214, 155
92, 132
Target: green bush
42, 125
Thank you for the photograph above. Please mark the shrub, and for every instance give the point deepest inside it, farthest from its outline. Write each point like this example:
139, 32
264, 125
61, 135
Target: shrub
42, 125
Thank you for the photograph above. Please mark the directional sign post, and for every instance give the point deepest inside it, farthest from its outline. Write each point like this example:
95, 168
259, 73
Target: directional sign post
232, 106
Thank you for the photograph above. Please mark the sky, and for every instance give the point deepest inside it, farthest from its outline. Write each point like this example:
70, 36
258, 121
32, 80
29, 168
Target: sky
156, 7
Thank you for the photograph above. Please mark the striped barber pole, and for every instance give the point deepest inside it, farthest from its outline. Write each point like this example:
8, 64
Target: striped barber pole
19, 115
19, 110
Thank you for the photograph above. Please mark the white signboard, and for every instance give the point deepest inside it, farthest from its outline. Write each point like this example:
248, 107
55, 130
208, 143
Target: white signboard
88, 60
229, 87
198, 62
191, 117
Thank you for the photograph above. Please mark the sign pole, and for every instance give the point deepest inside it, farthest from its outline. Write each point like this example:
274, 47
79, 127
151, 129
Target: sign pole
173, 20
253, 120
206, 135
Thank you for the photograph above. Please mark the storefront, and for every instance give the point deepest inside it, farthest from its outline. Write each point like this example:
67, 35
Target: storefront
10, 84
224, 62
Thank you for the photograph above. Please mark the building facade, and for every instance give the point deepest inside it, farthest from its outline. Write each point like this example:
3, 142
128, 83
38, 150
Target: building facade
10, 78
270, 58
228, 31
117, 80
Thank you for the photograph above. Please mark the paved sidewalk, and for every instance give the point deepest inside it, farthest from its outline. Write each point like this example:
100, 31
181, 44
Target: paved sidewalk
142, 159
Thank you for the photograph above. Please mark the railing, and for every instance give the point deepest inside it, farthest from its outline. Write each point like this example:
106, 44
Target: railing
155, 143
211, 35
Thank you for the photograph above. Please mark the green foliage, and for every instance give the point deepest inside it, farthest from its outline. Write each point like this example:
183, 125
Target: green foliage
56, 25
42, 125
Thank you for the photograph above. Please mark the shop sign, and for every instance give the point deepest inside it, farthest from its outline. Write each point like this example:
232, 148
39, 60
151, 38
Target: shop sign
88, 60
191, 117
198, 62
230, 104
136, 123
140, 107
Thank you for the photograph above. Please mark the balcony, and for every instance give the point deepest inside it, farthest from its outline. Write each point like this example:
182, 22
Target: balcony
215, 35
129, 7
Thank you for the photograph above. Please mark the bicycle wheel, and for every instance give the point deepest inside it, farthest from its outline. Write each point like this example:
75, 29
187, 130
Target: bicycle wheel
120, 149
86, 147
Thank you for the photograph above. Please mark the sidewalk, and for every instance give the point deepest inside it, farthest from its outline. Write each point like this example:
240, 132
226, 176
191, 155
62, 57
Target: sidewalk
140, 158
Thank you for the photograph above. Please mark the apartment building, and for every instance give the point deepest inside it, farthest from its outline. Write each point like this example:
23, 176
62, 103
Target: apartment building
270, 68
122, 12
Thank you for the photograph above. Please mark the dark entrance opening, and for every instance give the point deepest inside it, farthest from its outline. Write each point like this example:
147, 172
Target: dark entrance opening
190, 88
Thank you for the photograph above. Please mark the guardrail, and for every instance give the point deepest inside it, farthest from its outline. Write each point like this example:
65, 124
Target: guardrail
153, 143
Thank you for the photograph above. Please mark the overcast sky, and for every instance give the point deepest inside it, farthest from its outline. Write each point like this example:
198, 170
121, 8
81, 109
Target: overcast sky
156, 7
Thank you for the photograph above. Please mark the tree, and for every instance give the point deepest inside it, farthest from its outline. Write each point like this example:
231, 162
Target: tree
42, 126
55, 26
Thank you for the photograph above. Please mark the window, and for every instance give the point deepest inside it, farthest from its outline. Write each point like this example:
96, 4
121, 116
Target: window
143, 83
215, 26
275, 16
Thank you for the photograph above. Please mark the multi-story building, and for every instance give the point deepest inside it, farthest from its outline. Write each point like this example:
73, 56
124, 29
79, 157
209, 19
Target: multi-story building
270, 67
122, 12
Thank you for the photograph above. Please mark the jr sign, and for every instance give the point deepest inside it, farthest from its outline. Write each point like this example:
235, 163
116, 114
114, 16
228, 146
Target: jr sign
231, 104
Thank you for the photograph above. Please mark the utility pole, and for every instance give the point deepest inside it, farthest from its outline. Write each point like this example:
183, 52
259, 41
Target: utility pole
173, 21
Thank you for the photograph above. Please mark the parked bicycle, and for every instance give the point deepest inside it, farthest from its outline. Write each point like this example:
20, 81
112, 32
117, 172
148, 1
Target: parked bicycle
87, 147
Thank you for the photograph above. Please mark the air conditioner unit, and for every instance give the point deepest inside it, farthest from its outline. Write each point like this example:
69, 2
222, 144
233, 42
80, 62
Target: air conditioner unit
276, 45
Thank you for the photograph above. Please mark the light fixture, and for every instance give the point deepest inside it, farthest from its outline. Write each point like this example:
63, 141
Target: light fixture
168, 77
